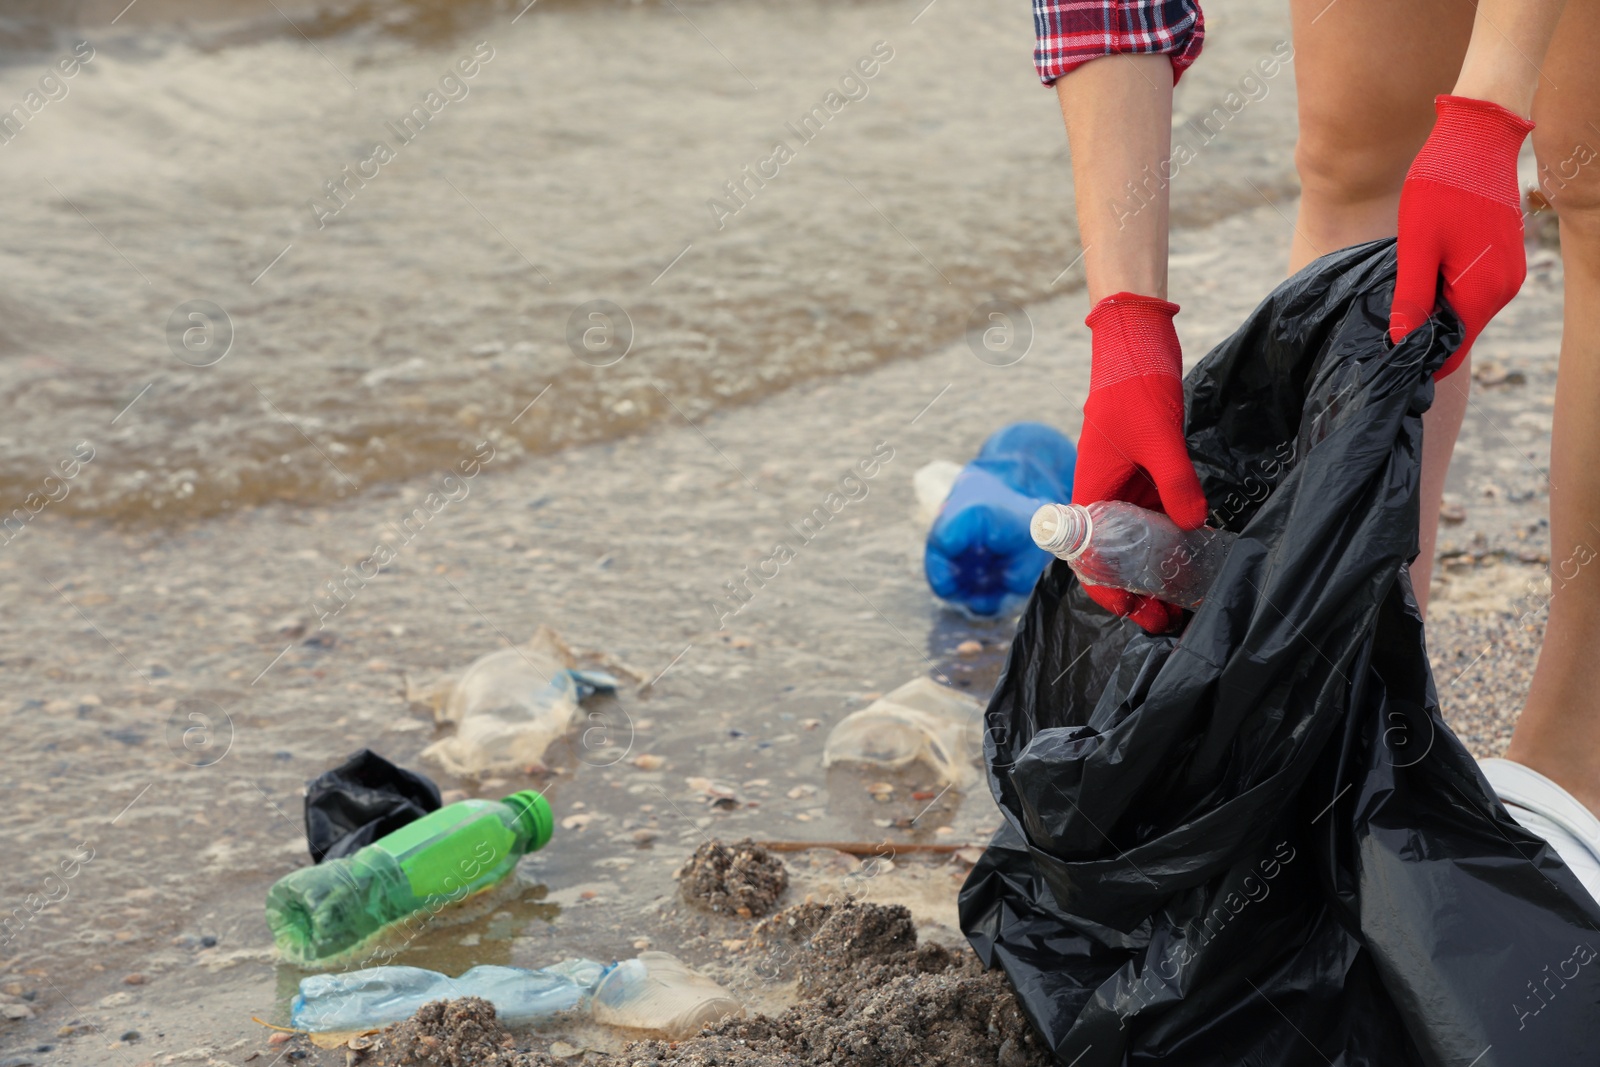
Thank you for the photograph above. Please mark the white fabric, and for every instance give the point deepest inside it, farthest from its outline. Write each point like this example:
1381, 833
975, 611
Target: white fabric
1544, 808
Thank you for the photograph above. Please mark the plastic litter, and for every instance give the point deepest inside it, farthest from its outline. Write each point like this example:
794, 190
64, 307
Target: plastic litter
979, 556
1257, 842
922, 721
509, 706
1123, 545
320, 914
359, 801
931, 485
658, 992
377, 996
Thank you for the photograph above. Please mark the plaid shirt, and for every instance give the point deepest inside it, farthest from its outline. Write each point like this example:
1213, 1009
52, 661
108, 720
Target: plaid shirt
1072, 32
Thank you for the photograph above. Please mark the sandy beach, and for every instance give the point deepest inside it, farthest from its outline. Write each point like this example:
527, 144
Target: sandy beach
614, 503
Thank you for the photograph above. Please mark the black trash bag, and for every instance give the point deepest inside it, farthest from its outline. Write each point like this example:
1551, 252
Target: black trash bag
1257, 842
361, 800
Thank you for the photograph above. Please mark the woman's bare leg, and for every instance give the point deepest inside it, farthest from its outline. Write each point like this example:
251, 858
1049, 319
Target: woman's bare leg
1366, 72
1559, 731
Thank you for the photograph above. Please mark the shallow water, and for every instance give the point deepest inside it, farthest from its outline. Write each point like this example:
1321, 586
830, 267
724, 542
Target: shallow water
185, 293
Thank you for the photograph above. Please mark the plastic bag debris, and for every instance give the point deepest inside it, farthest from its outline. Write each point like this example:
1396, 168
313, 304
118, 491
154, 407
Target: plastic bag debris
1257, 842
931, 485
922, 721
510, 705
377, 996
361, 800
657, 991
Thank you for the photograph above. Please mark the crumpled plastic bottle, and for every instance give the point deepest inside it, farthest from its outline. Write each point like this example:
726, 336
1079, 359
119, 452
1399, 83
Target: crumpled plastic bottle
378, 996
1114, 543
657, 991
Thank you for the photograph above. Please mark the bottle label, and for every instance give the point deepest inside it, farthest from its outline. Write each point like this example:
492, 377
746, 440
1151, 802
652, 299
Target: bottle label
452, 851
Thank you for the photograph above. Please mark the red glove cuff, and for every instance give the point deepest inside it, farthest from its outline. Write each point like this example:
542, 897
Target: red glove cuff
1474, 148
1133, 336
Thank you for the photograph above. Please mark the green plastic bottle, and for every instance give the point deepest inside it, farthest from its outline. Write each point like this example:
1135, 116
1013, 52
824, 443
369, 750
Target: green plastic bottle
320, 912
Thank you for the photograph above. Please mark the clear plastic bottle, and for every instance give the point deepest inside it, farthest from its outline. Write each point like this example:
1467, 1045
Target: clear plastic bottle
317, 914
377, 996
1127, 547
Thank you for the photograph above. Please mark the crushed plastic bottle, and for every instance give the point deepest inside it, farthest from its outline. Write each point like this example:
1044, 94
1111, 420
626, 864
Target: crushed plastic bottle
922, 721
1125, 546
657, 991
378, 996
319, 914
979, 557
510, 705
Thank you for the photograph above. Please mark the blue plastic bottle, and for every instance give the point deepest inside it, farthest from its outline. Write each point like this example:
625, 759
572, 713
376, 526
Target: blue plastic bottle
980, 555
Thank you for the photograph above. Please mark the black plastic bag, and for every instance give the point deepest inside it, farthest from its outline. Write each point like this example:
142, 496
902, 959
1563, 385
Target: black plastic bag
361, 800
1257, 843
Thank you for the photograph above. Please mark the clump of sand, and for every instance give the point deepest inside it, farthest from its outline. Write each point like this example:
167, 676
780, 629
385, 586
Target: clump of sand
743, 879
447, 1033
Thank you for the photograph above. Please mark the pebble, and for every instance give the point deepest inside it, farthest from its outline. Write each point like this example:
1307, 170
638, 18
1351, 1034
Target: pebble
969, 648
648, 762
561, 1050
282, 1037
133, 979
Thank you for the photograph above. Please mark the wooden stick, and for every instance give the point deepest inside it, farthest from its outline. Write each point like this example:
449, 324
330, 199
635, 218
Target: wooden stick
863, 848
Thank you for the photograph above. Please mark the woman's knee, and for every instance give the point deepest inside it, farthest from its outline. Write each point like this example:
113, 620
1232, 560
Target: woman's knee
1346, 159
1568, 157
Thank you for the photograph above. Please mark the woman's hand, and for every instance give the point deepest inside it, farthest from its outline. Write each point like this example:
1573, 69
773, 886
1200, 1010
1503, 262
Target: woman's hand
1132, 447
1461, 221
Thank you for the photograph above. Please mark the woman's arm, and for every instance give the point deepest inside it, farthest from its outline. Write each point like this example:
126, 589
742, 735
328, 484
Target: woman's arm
1509, 40
1118, 112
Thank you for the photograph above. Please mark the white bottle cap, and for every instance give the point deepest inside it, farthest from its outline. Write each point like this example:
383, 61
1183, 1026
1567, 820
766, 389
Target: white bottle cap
1062, 529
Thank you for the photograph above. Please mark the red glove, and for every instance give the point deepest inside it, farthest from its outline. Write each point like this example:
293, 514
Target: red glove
1132, 447
1461, 217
